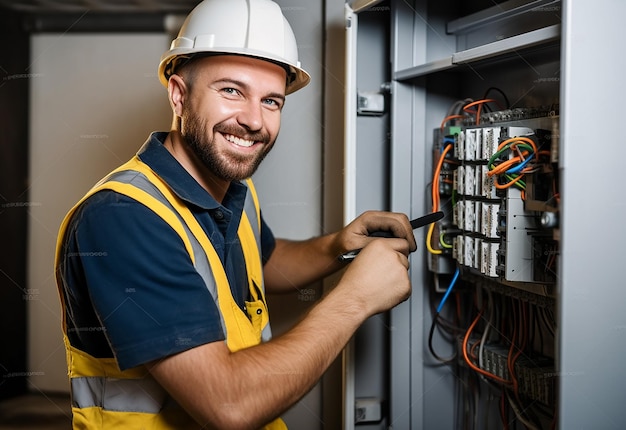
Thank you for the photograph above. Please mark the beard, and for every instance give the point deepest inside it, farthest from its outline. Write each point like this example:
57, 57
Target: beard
224, 165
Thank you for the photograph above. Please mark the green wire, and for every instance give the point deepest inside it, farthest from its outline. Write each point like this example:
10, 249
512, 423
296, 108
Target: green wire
519, 184
497, 154
443, 242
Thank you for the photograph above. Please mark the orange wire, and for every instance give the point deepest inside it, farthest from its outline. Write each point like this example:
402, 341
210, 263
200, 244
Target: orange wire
507, 185
518, 139
504, 166
503, 412
467, 360
450, 118
435, 197
479, 104
435, 187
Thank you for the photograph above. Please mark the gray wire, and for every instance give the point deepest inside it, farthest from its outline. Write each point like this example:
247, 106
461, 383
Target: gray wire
486, 332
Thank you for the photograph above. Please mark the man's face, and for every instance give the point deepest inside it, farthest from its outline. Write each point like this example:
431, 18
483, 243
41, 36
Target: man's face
231, 116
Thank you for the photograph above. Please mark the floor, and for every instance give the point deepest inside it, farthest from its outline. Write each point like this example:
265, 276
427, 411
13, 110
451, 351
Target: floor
41, 411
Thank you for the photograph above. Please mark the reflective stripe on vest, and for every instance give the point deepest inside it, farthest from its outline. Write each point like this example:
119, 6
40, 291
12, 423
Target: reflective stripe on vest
99, 385
136, 395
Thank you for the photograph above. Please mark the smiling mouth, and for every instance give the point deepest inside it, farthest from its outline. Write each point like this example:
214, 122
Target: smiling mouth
239, 141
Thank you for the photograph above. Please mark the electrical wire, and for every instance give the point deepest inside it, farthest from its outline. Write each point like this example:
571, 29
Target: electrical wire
503, 414
479, 105
450, 327
506, 99
515, 167
512, 357
520, 166
431, 347
447, 328
524, 414
483, 338
435, 198
518, 413
442, 241
513, 180
469, 362
450, 118
447, 293
429, 238
435, 188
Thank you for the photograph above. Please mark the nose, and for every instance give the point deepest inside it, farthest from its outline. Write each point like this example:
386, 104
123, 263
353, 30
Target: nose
251, 116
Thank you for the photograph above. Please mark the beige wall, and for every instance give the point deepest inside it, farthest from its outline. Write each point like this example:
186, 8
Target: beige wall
94, 99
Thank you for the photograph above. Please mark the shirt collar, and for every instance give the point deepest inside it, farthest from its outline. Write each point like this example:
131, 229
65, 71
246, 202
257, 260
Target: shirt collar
163, 163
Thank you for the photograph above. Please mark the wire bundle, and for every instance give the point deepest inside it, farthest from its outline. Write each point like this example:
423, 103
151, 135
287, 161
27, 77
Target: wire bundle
512, 160
514, 326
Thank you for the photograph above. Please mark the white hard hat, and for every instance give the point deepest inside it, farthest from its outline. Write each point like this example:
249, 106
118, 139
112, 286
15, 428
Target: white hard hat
255, 28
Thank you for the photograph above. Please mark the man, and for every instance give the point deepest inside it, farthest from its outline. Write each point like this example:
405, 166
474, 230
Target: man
162, 268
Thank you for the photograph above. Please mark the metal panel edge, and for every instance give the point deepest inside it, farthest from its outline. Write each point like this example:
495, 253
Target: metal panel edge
349, 211
592, 325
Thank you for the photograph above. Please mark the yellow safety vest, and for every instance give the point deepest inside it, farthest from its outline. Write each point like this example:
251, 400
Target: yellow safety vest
105, 397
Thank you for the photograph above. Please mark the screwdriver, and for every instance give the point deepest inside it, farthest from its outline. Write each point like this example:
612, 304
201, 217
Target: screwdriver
416, 223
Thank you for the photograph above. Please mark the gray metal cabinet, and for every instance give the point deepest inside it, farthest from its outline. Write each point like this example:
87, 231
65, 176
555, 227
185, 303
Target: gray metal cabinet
561, 59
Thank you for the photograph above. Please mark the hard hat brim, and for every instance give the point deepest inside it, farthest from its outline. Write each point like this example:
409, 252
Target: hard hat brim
301, 77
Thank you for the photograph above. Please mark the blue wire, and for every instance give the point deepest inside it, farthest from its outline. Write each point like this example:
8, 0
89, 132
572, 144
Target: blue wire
448, 140
520, 166
445, 296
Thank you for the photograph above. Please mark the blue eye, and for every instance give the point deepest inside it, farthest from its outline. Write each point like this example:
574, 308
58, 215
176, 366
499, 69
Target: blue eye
273, 103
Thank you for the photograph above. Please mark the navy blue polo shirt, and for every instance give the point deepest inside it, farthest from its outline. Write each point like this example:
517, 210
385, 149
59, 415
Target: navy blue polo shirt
130, 288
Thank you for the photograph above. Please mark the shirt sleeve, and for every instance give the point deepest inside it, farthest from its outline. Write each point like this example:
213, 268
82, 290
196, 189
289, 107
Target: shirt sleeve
141, 282
268, 242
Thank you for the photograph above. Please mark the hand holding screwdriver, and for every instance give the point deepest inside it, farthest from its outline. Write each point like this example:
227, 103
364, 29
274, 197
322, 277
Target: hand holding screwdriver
415, 224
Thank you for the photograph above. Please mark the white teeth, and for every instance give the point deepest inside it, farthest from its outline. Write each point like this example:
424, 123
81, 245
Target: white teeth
239, 141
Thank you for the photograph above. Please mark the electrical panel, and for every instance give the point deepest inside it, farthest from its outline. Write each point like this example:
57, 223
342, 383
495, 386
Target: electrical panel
495, 176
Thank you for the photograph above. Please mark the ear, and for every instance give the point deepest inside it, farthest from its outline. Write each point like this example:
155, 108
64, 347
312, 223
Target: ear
177, 92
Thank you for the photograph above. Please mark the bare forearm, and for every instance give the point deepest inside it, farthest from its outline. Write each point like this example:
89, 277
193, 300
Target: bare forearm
301, 356
263, 380
296, 264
